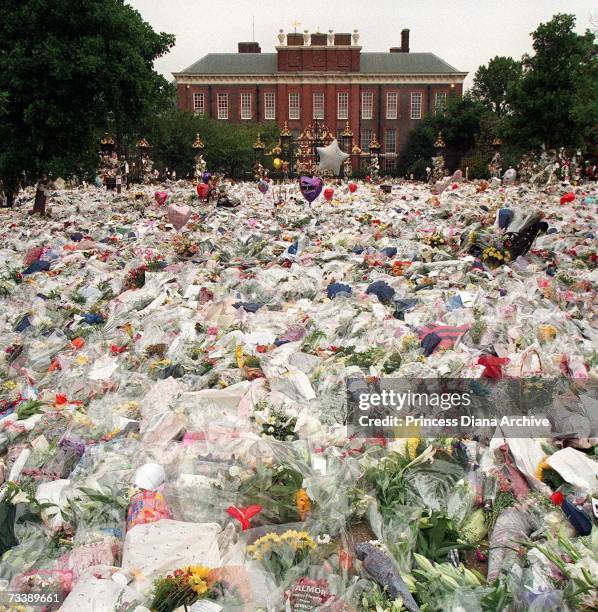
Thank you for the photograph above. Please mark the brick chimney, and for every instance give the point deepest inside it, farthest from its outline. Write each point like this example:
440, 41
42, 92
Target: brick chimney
249, 47
342, 40
405, 41
319, 40
295, 39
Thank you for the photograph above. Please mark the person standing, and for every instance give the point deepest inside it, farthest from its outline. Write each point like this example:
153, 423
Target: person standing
125, 172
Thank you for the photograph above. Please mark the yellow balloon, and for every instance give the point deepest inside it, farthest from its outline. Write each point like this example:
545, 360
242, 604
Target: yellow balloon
277, 163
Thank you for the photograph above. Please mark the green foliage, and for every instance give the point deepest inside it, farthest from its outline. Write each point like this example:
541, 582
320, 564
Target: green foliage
460, 124
392, 363
7, 526
312, 340
491, 83
389, 485
549, 98
228, 146
554, 103
28, 409
69, 69
3, 103
377, 599
275, 489
503, 500
363, 359
437, 537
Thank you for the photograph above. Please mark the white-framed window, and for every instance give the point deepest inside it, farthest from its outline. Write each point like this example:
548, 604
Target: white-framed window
199, 103
440, 101
392, 105
367, 104
365, 139
246, 106
390, 163
416, 105
390, 142
294, 105
342, 111
318, 105
222, 99
269, 105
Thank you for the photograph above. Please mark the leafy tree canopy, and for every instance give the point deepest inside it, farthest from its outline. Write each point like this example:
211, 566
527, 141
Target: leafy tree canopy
228, 146
491, 83
554, 103
68, 68
459, 124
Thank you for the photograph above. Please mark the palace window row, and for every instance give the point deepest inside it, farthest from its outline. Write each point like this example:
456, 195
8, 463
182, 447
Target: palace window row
391, 110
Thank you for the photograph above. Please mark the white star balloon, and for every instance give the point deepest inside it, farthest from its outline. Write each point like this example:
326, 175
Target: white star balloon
331, 157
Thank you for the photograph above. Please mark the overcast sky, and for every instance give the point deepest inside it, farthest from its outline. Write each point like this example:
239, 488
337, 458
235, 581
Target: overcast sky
465, 33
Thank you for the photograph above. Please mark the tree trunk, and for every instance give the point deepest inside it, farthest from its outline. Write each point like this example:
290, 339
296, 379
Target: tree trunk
40, 199
10, 198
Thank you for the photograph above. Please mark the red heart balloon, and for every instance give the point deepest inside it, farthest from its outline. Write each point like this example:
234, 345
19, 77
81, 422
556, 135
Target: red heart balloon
203, 190
352, 187
328, 193
160, 197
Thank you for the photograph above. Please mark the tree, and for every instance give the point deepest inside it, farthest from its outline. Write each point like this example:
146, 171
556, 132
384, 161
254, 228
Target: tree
550, 103
228, 146
69, 69
459, 124
491, 83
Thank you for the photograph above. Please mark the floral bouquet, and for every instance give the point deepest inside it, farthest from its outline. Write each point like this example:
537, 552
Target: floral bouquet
154, 261
279, 491
279, 553
48, 588
491, 246
434, 240
496, 255
184, 247
135, 278
275, 421
184, 587
181, 588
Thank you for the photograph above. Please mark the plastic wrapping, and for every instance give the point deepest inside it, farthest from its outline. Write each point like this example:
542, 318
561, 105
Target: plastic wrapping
222, 356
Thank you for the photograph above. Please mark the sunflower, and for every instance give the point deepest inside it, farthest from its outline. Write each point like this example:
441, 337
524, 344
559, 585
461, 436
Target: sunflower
540, 468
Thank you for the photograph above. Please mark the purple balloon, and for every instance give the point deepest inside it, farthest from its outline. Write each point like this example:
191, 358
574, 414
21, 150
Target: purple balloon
205, 177
263, 186
311, 187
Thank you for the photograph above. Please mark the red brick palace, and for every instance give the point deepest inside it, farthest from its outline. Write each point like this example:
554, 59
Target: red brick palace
323, 77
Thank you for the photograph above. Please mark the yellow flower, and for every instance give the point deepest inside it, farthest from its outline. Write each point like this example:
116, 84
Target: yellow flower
198, 571
412, 445
81, 359
547, 332
159, 364
302, 502
199, 585
240, 357
10, 385
540, 469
